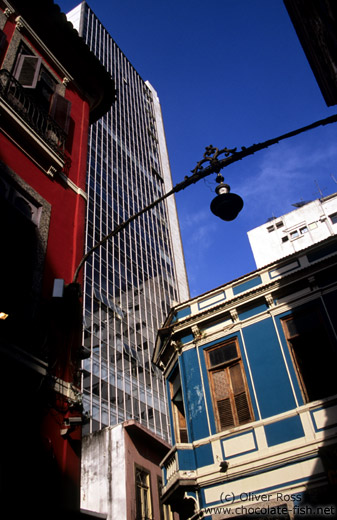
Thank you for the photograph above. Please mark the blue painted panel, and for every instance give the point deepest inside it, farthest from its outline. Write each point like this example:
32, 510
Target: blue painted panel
272, 384
204, 455
208, 396
252, 311
284, 431
193, 396
249, 284
186, 339
182, 313
186, 459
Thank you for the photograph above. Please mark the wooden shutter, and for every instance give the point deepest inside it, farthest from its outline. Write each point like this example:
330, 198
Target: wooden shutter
60, 111
229, 388
221, 385
28, 69
225, 414
240, 395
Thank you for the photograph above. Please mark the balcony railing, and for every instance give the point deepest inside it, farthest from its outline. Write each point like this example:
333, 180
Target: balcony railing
171, 466
30, 111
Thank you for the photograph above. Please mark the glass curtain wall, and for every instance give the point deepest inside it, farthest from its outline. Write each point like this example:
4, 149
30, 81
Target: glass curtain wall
131, 281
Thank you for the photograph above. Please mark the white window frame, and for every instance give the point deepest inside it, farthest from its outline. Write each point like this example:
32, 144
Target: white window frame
21, 62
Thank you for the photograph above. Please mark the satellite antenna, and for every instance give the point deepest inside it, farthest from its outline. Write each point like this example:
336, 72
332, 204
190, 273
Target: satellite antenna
320, 192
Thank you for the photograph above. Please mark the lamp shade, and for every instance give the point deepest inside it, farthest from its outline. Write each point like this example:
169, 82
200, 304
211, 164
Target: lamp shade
226, 205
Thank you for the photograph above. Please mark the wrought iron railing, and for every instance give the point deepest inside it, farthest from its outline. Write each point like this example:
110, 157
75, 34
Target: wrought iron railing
33, 114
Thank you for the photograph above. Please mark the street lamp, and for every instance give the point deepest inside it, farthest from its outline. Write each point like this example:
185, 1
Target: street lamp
225, 205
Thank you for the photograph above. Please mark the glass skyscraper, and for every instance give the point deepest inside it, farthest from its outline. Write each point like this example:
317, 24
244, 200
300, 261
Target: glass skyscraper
131, 281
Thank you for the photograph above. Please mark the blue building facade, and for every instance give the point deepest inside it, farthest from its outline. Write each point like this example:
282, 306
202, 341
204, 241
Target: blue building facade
250, 369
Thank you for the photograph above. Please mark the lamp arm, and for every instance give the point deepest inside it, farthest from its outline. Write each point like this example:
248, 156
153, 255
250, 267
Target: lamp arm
199, 172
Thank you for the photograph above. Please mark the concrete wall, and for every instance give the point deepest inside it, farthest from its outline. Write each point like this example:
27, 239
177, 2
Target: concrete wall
109, 461
294, 231
103, 482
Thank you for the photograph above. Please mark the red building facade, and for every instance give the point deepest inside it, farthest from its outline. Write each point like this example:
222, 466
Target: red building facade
51, 88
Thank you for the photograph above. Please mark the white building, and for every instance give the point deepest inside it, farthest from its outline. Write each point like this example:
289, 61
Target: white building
309, 224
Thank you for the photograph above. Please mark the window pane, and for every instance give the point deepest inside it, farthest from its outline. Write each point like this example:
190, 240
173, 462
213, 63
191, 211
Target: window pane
302, 323
183, 435
143, 497
237, 379
291, 328
333, 218
312, 352
28, 70
221, 384
176, 386
60, 111
222, 354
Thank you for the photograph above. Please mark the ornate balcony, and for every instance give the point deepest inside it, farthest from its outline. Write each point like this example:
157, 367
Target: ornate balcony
171, 466
17, 98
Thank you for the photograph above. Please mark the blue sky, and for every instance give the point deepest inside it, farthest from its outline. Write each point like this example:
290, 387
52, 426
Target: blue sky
228, 73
